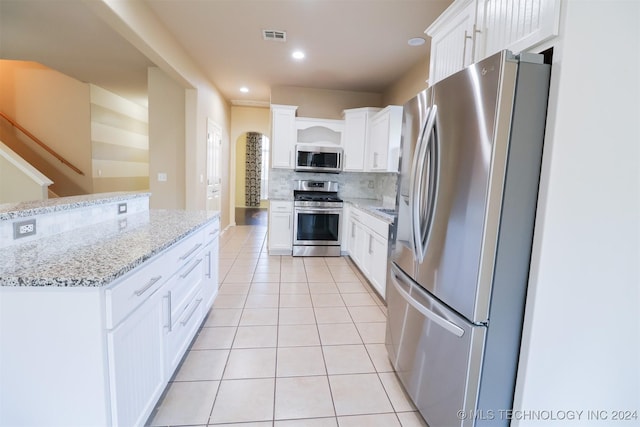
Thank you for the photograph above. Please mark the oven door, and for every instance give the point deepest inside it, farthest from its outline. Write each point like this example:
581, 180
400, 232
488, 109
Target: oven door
317, 226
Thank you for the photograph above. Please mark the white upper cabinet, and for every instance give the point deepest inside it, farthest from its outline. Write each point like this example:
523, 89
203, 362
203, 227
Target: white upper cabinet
383, 151
319, 131
283, 135
452, 40
518, 25
471, 30
355, 136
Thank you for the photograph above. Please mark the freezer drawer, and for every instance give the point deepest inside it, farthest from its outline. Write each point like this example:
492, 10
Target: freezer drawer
436, 353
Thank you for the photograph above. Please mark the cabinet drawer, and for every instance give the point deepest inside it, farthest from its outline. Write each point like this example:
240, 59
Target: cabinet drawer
211, 231
135, 288
183, 328
185, 250
280, 206
184, 283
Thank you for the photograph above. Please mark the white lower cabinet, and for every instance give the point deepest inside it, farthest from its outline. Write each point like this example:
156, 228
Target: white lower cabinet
183, 310
103, 355
211, 264
368, 247
280, 227
137, 375
377, 258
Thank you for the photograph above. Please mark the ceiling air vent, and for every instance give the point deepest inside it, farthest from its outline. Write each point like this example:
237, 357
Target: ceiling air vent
279, 36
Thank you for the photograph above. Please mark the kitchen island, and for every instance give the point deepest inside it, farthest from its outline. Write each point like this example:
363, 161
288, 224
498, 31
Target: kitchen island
98, 307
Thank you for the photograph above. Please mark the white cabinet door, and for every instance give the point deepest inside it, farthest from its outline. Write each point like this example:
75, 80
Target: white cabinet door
377, 255
351, 242
283, 135
368, 248
384, 140
355, 137
516, 25
136, 364
359, 254
452, 37
471, 30
211, 252
280, 227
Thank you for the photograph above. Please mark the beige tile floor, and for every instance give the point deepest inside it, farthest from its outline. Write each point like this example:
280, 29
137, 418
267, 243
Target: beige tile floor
288, 342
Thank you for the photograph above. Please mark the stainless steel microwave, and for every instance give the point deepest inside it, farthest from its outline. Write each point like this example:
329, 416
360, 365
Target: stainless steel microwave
318, 158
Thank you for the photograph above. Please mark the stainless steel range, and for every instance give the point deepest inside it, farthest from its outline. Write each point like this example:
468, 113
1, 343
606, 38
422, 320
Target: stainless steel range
317, 222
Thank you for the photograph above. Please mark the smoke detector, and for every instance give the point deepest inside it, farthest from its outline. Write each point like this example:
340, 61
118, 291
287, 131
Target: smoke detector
279, 36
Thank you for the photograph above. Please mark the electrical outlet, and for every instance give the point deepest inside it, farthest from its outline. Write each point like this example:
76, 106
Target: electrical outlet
24, 228
122, 208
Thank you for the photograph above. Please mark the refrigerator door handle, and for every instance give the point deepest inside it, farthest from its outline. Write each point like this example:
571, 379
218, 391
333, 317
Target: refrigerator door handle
398, 279
412, 184
422, 232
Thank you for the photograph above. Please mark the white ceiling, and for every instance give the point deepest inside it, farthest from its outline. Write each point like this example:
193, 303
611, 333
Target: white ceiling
357, 45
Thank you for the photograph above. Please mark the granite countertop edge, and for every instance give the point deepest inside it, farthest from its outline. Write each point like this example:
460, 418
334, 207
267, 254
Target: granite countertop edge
9, 211
115, 249
371, 206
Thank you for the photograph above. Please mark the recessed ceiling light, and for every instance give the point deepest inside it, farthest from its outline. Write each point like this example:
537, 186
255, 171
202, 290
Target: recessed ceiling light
244, 89
416, 41
297, 54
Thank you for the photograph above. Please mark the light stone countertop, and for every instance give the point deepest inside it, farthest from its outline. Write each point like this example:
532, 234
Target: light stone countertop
95, 255
9, 211
371, 205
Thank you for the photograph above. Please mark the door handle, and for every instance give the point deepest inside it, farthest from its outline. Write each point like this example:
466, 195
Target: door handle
416, 191
397, 276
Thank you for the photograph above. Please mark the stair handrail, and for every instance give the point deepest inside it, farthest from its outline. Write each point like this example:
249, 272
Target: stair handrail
40, 143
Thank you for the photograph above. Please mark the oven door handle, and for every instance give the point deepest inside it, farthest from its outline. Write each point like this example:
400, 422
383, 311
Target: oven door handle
318, 210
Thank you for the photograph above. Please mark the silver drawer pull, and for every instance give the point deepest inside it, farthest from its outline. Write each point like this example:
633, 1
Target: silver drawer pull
195, 307
185, 256
146, 287
208, 255
168, 297
186, 273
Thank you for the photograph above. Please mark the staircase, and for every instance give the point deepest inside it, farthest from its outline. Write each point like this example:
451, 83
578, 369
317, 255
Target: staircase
19, 180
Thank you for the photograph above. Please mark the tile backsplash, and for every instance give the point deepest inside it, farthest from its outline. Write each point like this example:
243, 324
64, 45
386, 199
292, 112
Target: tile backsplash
353, 185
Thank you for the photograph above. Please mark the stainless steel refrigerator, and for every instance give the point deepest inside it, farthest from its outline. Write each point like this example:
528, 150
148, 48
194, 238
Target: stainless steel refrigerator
461, 245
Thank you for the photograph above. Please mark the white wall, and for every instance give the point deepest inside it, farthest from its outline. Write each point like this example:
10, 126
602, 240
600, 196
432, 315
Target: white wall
582, 326
119, 143
56, 109
167, 131
245, 119
323, 103
138, 24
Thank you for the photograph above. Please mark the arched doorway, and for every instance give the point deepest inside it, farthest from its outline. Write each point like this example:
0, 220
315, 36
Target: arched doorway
252, 178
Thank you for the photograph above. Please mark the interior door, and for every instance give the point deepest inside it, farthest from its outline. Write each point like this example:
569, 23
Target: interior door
214, 180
